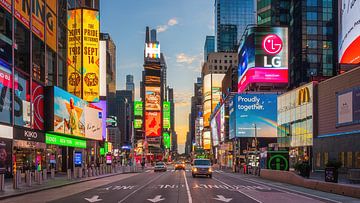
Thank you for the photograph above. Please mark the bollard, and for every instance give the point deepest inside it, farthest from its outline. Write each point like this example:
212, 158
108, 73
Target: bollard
19, 177
123, 169
75, 173
52, 173
40, 178
69, 174
80, 172
2, 182
97, 171
35, 175
44, 174
93, 171
15, 181
90, 172
29, 181
86, 173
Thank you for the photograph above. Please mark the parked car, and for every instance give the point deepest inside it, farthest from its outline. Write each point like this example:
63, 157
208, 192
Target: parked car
201, 167
179, 165
160, 166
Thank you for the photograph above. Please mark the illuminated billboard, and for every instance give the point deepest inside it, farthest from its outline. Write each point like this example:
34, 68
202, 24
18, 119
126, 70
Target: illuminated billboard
222, 123
166, 114
215, 131
152, 50
152, 124
102, 67
83, 54
211, 94
207, 140
138, 108
252, 114
349, 32
167, 140
152, 98
102, 105
348, 107
93, 122
263, 57
137, 123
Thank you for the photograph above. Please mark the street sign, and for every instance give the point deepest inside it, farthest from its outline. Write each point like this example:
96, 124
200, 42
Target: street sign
278, 160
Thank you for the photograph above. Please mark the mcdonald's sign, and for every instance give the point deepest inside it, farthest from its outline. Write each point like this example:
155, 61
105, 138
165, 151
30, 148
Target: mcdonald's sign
303, 96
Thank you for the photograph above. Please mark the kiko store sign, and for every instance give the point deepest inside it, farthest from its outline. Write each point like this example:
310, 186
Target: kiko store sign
28, 135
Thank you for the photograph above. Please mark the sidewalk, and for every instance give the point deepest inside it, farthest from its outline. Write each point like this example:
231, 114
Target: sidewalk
59, 181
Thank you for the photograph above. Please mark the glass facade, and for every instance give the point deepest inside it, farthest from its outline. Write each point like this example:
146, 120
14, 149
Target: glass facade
231, 19
209, 46
273, 12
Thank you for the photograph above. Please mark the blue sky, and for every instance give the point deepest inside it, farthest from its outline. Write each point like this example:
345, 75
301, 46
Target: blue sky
182, 28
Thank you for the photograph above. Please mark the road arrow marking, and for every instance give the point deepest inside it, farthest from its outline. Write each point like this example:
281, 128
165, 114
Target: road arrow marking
157, 198
93, 199
222, 198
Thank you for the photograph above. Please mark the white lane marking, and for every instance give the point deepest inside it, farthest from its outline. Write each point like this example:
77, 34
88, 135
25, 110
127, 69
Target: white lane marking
157, 198
222, 198
152, 180
94, 198
187, 189
286, 190
238, 190
147, 171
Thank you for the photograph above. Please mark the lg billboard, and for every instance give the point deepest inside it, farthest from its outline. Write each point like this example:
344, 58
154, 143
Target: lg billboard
263, 57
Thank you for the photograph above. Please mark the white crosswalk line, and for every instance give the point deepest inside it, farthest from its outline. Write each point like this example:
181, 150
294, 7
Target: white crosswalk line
147, 171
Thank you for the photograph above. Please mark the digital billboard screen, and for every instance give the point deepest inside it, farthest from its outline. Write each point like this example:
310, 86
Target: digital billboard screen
137, 123
207, 140
349, 32
167, 140
93, 122
214, 132
166, 114
222, 123
254, 114
348, 107
102, 105
152, 50
152, 124
138, 108
263, 57
152, 99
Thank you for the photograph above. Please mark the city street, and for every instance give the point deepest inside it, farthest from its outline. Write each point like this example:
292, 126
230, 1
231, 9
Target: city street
180, 186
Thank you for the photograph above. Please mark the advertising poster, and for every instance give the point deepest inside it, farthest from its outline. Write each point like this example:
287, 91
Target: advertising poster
152, 124
166, 115
349, 29
222, 123
22, 105
138, 108
207, 140
345, 108
6, 4
69, 115
93, 122
78, 159
152, 50
90, 55
167, 140
5, 156
152, 99
6, 92
137, 123
51, 22
214, 132
22, 13
38, 106
102, 105
263, 57
74, 52
256, 113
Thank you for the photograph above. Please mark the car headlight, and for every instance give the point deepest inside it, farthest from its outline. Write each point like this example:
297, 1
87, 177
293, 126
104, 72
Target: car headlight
194, 169
210, 170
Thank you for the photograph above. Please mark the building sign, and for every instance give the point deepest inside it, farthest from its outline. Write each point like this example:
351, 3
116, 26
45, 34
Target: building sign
303, 96
207, 140
5, 155
152, 99
348, 107
166, 115
6, 132
263, 57
6, 4
137, 123
278, 160
102, 105
167, 140
152, 124
64, 141
83, 54
255, 115
349, 27
152, 50
93, 122
28, 134
138, 108
78, 159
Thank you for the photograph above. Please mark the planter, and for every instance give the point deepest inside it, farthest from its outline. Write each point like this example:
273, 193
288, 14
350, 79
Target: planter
331, 174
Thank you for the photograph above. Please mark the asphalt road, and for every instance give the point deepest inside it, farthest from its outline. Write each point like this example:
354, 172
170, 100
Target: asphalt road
180, 186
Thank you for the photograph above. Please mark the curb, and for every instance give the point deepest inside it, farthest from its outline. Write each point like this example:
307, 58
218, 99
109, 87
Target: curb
57, 186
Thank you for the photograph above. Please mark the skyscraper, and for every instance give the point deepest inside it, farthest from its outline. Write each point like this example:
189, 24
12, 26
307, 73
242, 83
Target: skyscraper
209, 46
130, 86
273, 12
231, 19
110, 64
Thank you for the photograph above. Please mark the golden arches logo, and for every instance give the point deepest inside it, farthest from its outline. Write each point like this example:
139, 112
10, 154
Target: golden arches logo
303, 96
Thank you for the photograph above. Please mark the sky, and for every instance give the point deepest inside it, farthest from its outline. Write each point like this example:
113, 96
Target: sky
182, 28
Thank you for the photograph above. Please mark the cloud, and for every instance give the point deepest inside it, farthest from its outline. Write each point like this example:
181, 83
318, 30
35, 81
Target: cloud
183, 58
171, 22
182, 99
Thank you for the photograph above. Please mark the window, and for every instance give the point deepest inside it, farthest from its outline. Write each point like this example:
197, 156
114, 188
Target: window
327, 30
62, 80
326, 158
215, 68
357, 159
311, 3
51, 63
220, 68
342, 158
349, 160
311, 16
312, 58
312, 44
318, 159
5, 36
38, 59
225, 61
312, 30
22, 47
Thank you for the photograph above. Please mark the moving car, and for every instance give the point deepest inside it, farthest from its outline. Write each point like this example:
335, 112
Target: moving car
201, 167
179, 165
160, 166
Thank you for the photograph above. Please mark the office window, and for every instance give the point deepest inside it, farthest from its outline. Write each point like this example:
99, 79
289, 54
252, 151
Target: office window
342, 158
51, 63
312, 30
349, 160
318, 160
326, 158
22, 47
357, 159
312, 44
38, 59
311, 16
5, 36
311, 3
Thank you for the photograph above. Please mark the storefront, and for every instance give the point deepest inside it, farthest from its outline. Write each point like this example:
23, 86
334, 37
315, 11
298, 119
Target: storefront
296, 122
29, 149
6, 136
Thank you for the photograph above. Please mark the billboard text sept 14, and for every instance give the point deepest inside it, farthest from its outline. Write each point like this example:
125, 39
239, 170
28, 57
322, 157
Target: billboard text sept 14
255, 113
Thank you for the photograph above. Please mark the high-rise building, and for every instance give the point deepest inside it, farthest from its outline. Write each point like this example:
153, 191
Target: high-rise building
109, 60
314, 24
172, 120
273, 12
231, 19
196, 110
209, 46
130, 86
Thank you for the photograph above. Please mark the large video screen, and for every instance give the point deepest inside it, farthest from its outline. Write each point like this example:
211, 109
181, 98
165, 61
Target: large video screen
152, 124
263, 57
152, 99
254, 114
349, 32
